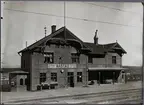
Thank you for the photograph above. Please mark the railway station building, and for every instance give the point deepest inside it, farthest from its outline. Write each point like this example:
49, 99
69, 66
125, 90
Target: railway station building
64, 59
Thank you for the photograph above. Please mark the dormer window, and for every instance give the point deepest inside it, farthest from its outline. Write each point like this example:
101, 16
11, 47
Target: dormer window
49, 58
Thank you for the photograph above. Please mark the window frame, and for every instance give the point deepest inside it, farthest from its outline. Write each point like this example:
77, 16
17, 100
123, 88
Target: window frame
75, 57
90, 59
48, 56
57, 46
42, 77
114, 60
21, 81
79, 80
54, 76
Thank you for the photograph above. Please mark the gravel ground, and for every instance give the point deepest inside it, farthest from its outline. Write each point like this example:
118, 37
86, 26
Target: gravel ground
13, 96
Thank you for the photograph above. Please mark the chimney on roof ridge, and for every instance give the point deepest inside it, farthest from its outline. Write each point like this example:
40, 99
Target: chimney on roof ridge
45, 28
96, 38
53, 28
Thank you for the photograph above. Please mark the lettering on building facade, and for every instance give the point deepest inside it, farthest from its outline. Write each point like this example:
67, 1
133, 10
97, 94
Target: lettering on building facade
62, 66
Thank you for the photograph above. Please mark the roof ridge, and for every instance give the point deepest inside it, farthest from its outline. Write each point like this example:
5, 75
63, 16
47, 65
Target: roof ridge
109, 43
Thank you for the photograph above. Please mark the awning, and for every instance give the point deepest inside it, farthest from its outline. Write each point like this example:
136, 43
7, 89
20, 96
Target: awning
20, 72
107, 68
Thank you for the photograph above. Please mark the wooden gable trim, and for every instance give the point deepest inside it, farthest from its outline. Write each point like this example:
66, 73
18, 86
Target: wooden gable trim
113, 47
42, 40
74, 35
50, 37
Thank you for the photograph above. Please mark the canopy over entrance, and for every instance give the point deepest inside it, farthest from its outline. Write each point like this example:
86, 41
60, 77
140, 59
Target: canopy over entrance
19, 72
107, 68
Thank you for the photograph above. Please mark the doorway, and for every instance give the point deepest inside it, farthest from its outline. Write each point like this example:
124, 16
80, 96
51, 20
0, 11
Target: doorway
71, 79
104, 76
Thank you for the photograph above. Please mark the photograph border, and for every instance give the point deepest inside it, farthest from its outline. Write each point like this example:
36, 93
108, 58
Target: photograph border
142, 2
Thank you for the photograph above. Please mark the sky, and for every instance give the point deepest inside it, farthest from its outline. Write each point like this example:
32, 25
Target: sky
25, 21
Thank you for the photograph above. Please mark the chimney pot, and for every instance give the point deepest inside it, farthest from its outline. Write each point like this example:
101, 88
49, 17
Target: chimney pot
53, 28
96, 38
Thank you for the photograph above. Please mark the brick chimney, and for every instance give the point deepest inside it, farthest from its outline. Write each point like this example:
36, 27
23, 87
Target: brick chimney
53, 28
96, 38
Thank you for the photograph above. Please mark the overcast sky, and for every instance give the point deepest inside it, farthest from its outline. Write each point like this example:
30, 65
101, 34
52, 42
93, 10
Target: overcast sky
25, 21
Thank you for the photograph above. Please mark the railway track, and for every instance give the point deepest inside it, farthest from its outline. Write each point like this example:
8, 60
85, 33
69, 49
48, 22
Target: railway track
133, 94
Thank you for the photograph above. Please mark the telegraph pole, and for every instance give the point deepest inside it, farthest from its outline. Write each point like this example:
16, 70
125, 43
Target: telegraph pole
143, 56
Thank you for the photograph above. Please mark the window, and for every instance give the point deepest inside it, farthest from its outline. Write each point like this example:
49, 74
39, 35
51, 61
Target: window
49, 58
57, 46
49, 45
67, 46
113, 59
42, 77
90, 59
21, 81
75, 58
54, 77
79, 76
62, 46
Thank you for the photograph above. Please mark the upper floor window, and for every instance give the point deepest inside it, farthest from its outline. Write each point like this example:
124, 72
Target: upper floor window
57, 46
75, 58
54, 77
42, 77
62, 46
49, 45
90, 59
113, 59
49, 58
67, 46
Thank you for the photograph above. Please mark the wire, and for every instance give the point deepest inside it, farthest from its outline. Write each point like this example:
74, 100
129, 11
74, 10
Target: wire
112, 8
88, 20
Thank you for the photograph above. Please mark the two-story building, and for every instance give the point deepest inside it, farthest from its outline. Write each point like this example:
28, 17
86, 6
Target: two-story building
63, 58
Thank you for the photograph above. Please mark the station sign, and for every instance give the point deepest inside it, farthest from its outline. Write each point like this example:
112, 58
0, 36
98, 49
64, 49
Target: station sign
62, 66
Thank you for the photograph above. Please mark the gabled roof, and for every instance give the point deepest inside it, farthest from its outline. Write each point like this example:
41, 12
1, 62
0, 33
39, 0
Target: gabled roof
96, 49
40, 41
69, 36
53, 35
102, 48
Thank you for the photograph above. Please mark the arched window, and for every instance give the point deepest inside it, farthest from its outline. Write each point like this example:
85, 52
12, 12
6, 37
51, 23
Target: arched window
21, 81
